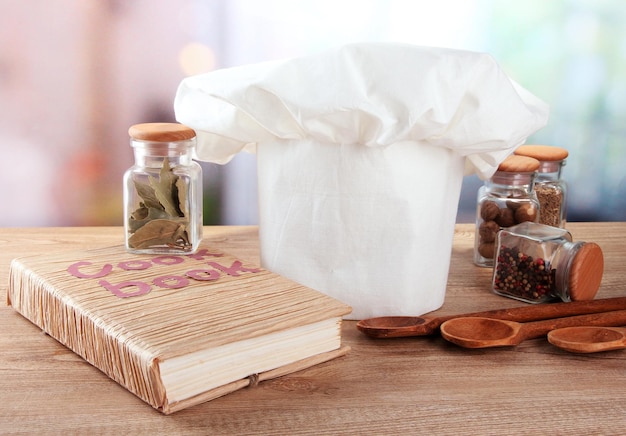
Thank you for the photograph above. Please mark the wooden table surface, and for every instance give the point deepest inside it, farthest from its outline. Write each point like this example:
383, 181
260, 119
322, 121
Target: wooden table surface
409, 386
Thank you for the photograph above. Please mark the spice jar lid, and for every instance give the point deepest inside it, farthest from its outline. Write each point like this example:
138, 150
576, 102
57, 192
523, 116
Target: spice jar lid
519, 164
586, 272
161, 132
542, 152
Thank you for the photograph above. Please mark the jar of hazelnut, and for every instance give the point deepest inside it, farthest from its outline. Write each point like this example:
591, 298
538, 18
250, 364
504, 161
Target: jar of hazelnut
506, 199
536, 263
549, 187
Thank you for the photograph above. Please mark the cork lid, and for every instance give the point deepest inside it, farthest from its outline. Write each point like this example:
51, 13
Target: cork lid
542, 152
161, 132
586, 272
519, 164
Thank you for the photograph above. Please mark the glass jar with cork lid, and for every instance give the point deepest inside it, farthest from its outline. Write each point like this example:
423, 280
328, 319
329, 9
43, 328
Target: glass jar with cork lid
163, 191
506, 199
550, 188
536, 263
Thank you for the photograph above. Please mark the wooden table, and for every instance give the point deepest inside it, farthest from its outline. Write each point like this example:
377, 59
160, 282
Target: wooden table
413, 385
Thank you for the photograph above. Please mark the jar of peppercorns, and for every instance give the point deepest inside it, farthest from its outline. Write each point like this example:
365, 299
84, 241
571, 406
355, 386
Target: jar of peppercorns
506, 199
549, 187
536, 263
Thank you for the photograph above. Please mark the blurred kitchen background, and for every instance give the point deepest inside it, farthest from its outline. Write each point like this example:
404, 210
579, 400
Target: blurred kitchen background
75, 74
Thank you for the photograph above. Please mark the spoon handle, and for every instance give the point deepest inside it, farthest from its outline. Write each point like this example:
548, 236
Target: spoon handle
550, 310
537, 329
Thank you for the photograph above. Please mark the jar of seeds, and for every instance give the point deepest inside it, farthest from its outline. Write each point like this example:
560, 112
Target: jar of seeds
536, 263
163, 191
550, 189
506, 199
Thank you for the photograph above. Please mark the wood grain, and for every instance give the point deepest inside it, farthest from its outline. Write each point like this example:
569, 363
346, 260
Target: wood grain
395, 386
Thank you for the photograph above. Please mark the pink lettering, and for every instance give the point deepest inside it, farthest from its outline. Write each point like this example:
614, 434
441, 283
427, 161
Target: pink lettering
171, 282
118, 290
200, 254
234, 269
134, 288
167, 260
134, 265
75, 271
203, 274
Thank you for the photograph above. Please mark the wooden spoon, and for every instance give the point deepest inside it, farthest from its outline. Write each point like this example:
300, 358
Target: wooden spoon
585, 339
476, 332
402, 326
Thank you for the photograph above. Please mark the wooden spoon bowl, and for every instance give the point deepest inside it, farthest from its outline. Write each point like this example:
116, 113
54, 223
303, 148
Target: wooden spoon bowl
476, 332
585, 339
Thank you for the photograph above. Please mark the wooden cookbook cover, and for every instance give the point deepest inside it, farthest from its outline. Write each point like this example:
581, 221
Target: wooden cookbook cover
131, 316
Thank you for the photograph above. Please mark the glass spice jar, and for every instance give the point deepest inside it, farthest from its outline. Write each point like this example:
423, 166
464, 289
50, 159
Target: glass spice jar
536, 263
163, 191
506, 199
550, 189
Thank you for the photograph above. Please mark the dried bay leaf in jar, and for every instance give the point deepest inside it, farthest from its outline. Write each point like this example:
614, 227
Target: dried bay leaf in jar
163, 191
506, 199
536, 263
550, 188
